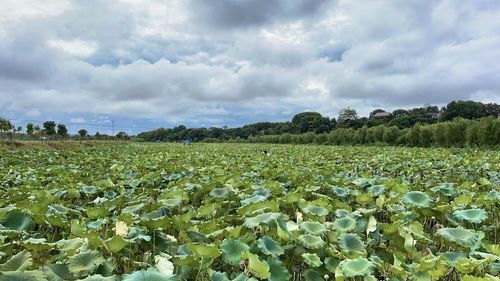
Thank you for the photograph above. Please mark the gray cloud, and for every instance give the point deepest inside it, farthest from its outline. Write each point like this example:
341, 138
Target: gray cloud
242, 13
271, 58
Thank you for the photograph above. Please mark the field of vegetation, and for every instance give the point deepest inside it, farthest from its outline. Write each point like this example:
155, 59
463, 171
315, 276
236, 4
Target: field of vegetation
230, 212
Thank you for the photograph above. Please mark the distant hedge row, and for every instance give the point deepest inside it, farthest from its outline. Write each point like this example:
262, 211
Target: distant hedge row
456, 133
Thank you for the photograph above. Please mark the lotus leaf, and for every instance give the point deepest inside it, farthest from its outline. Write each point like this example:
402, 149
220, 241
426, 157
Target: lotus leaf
262, 218
270, 247
313, 228
278, 270
462, 237
417, 199
85, 263
472, 215
345, 224
312, 259
310, 241
257, 267
351, 243
356, 267
232, 250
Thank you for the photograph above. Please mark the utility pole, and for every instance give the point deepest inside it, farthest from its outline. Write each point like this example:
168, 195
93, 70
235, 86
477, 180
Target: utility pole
113, 127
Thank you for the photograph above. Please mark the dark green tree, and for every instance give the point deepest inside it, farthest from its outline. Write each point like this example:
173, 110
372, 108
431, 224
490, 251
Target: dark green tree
30, 129
464, 109
310, 122
49, 128
62, 130
82, 133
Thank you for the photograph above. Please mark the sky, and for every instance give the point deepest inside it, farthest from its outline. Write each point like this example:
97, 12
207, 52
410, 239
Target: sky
144, 64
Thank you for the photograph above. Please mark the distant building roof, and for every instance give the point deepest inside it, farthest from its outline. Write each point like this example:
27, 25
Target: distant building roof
382, 114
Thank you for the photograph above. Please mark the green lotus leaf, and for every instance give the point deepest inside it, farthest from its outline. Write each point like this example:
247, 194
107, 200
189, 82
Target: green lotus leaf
452, 257
262, 192
262, 218
208, 209
148, 275
97, 223
278, 270
198, 237
117, 243
38, 244
257, 267
351, 243
89, 189
311, 242
312, 259
232, 250
462, 237
97, 212
494, 269
446, 189
18, 262
376, 190
313, 275
345, 224
22, 276
58, 209
492, 195
364, 198
356, 267
341, 192
133, 209
313, 228
219, 192
253, 199
16, 220
340, 213
173, 202
331, 264
85, 263
316, 210
417, 199
202, 250
219, 276
58, 272
270, 247
98, 277
472, 215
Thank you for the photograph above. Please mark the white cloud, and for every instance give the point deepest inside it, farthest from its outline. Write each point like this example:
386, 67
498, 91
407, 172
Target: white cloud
77, 47
187, 60
77, 120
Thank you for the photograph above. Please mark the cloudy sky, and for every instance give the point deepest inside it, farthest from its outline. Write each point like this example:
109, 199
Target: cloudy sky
151, 63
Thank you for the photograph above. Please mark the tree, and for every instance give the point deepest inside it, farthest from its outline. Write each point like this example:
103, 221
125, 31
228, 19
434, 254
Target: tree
49, 128
30, 129
399, 113
62, 131
82, 133
347, 114
5, 125
372, 114
310, 122
464, 109
122, 136
36, 129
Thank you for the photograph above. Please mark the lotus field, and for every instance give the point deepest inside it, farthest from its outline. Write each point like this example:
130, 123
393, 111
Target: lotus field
230, 212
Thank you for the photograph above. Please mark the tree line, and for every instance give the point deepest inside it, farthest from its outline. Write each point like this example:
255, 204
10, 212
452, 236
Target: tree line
457, 133
50, 130
312, 127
